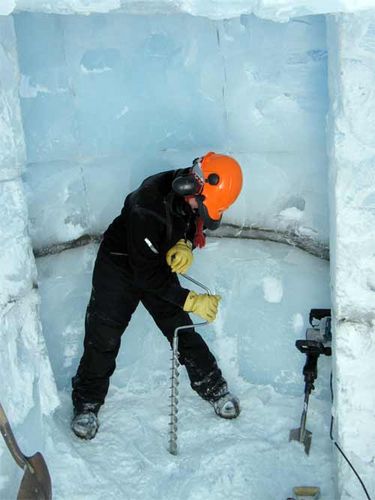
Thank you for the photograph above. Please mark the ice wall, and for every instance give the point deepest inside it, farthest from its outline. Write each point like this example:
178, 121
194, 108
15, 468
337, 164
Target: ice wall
109, 99
27, 389
351, 42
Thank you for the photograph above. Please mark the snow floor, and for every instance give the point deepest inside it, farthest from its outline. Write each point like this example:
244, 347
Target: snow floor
268, 290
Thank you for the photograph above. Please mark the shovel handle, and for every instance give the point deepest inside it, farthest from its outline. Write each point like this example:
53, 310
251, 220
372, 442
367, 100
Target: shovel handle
10, 440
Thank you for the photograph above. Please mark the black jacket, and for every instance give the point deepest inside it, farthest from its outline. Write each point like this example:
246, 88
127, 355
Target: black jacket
154, 213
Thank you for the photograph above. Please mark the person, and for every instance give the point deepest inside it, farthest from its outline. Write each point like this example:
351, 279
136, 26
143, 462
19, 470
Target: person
138, 260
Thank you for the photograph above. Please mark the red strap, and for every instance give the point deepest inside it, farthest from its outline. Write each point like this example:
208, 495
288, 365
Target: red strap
199, 238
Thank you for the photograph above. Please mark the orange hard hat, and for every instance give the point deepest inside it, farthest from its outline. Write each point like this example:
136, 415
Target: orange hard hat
222, 184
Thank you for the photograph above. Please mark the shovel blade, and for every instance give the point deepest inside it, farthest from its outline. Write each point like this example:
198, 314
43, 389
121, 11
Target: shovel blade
302, 436
36, 481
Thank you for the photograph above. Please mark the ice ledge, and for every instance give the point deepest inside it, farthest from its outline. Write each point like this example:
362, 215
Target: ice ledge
303, 242
276, 10
293, 238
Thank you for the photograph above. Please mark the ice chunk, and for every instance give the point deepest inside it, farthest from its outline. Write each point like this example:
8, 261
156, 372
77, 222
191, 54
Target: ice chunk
272, 289
298, 322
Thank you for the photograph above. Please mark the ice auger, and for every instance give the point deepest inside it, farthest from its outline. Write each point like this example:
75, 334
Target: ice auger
172, 446
318, 341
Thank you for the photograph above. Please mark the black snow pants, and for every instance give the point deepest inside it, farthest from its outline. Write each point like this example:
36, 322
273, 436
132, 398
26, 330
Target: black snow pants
113, 300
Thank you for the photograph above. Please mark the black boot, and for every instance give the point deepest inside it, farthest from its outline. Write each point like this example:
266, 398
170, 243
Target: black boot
85, 423
227, 406
214, 389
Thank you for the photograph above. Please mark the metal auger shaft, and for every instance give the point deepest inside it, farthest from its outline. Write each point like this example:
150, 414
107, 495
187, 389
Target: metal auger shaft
175, 364
172, 447
174, 397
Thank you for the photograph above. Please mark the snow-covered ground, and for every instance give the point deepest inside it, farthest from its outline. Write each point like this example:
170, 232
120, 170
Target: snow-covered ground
249, 458
268, 290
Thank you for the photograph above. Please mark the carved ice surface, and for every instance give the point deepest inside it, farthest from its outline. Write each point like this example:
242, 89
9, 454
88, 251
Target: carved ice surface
100, 102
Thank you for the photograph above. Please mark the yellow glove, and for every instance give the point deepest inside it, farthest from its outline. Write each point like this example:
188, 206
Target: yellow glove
180, 256
204, 305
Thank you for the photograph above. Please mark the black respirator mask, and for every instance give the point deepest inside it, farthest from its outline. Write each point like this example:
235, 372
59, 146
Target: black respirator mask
192, 184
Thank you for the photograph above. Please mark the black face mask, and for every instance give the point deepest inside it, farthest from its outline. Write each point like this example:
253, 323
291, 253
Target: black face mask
209, 223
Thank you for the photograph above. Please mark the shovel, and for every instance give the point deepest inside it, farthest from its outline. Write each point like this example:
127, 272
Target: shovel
36, 481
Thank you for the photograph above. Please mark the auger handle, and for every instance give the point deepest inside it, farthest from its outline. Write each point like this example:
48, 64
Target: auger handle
206, 289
